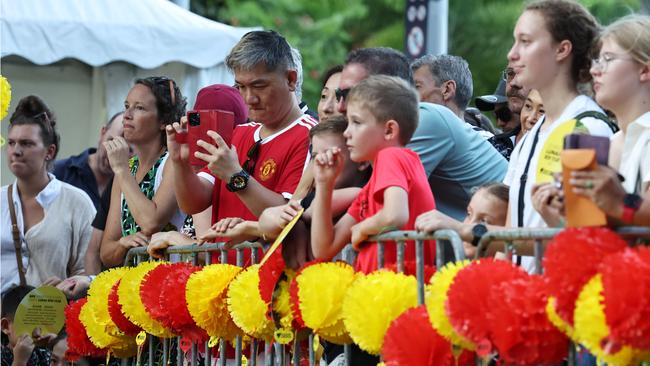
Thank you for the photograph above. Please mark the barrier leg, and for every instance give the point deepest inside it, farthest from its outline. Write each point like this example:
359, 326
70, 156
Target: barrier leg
419, 268
380, 255
400, 256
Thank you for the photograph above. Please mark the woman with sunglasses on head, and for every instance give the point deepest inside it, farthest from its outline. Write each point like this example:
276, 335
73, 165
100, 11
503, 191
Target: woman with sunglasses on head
142, 201
622, 85
52, 217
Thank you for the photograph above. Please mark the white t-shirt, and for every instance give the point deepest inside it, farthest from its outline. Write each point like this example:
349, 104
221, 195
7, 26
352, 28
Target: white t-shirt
521, 153
635, 161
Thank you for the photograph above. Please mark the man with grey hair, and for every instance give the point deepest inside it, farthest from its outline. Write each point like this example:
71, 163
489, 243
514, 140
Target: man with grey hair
447, 80
264, 162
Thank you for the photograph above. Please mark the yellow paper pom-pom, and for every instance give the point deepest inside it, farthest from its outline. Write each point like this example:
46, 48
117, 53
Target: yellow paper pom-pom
556, 319
117, 344
335, 333
246, 306
5, 96
372, 302
132, 306
321, 289
98, 301
591, 327
436, 301
206, 300
282, 301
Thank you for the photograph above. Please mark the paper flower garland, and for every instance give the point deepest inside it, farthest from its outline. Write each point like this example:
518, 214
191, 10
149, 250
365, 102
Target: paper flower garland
131, 303
246, 306
519, 327
564, 277
467, 298
591, 328
118, 317
372, 302
411, 270
436, 301
206, 300
626, 291
79, 345
173, 302
412, 341
95, 316
317, 294
5, 97
150, 288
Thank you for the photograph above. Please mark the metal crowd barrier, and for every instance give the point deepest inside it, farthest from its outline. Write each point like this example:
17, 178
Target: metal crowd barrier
515, 241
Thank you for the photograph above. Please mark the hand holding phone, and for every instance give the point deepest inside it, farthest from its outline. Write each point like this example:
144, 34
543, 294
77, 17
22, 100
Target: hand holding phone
199, 123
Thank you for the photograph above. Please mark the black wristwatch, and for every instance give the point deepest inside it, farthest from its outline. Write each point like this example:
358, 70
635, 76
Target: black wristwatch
478, 231
238, 181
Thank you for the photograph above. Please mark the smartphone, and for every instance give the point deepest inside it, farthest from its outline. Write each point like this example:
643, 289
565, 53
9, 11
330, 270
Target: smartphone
199, 122
582, 141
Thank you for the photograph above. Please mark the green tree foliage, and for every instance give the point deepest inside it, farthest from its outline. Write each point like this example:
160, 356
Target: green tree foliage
325, 31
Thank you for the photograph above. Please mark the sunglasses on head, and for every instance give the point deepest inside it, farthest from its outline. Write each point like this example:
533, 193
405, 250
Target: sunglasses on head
168, 82
251, 157
341, 93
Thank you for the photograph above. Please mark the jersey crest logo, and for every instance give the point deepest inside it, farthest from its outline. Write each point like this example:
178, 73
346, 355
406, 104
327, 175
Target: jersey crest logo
267, 169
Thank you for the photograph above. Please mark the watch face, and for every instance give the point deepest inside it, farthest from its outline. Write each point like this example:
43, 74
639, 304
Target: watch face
238, 182
479, 230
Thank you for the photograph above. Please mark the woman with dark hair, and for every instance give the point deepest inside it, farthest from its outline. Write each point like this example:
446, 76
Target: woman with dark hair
52, 218
142, 201
327, 102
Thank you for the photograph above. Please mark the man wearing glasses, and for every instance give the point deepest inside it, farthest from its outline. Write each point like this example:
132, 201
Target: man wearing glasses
265, 162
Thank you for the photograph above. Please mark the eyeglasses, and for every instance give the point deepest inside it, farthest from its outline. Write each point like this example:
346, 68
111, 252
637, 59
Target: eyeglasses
251, 157
601, 62
341, 93
508, 74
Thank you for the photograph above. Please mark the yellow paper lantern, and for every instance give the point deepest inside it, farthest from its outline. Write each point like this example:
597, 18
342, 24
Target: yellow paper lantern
436, 301
207, 302
590, 327
132, 306
246, 306
372, 302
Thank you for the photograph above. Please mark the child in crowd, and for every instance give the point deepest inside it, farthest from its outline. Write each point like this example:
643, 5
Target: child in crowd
488, 206
382, 114
21, 349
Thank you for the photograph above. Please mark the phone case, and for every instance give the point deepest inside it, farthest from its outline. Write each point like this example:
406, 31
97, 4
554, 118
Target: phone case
216, 120
580, 210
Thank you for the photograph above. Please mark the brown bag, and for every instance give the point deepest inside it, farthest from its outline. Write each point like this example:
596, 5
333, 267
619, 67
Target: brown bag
15, 233
580, 210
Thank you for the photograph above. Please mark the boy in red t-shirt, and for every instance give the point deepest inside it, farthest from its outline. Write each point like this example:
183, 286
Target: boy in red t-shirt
382, 114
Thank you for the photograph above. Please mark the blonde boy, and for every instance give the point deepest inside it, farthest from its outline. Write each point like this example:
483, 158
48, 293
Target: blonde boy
382, 114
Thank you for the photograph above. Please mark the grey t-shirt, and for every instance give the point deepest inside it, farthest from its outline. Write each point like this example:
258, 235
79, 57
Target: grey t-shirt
456, 158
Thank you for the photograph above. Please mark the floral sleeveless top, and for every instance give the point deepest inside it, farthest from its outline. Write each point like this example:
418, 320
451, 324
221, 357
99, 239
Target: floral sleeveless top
147, 186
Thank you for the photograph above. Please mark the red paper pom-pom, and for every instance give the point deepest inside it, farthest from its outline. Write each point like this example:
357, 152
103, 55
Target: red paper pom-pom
626, 292
520, 329
115, 311
174, 303
412, 341
79, 345
411, 270
150, 289
571, 259
467, 301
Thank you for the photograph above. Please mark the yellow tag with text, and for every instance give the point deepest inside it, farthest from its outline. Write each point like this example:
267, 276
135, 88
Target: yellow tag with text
316, 343
283, 336
548, 161
244, 360
140, 338
281, 237
213, 341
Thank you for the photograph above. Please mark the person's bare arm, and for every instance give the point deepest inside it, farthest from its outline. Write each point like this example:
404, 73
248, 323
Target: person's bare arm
92, 260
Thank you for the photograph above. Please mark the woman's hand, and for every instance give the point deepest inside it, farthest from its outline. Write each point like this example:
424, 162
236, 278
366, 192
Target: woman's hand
602, 186
118, 152
161, 241
548, 200
177, 152
134, 240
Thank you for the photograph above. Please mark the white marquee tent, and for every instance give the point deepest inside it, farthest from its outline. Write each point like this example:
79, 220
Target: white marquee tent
82, 56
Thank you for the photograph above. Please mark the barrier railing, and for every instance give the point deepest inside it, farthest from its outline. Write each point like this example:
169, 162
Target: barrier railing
515, 241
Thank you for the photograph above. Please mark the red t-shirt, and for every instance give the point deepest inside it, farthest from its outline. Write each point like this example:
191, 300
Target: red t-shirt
279, 165
394, 167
